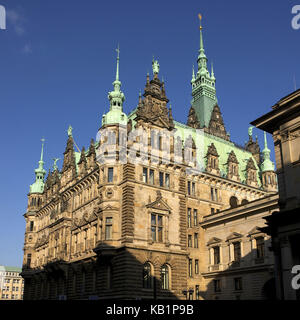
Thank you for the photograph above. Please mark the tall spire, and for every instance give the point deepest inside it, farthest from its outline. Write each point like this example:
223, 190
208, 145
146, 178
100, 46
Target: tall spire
267, 164
116, 99
38, 185
202, 60
203, 87
118, 60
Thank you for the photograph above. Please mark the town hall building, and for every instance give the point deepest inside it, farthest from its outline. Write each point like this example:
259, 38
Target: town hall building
155, 208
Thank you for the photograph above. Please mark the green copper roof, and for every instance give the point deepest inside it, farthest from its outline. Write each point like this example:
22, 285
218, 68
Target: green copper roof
10, 269
267, 164
203, 88
38, 185
223, 147
116, 98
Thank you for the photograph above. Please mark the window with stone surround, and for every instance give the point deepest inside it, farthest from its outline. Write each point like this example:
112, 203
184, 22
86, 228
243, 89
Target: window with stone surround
147, 276
110, 175
108, 228
260, 247
165, 277
189, 218
151, 176
237, 251
196, 266
190, 268
190, 241
238, 284
157, 227
217, 285
196, 240
195, 217
216, 255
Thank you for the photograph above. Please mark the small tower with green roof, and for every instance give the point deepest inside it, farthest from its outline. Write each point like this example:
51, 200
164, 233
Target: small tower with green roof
268, 169
37, 188
115, 115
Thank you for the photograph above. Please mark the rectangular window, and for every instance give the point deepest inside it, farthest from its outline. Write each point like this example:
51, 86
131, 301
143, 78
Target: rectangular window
197, 293
189, 188
189, 217
190, 267
110, 174
260, 247
156, 227
196, 240
193, 189
151, 176
108, 228
195, 217
161, 179
217, 285
237, 251
28, 260
190, 241
212, 210
212, 194
167, 180
196, 266
238, 285
216, 255
31, 226
145, 175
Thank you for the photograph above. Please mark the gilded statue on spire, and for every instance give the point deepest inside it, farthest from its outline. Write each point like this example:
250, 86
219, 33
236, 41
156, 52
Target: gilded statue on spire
155, 66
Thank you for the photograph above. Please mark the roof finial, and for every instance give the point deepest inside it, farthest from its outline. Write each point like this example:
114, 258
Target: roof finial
193, 74
42, 152
201, 38
118, 59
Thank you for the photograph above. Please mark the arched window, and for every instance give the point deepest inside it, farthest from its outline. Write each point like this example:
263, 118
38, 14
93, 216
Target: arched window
244, 201
147, 277
165, 277
233, 202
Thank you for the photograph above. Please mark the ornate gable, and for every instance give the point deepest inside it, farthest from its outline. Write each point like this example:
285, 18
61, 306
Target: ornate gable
153, 108
214, 240
234, 235
159, 204
212, 151
232, 158
216, 125
193, 119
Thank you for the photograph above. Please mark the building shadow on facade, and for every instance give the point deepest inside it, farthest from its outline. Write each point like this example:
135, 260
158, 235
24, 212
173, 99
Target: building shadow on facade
114, 273
248, 277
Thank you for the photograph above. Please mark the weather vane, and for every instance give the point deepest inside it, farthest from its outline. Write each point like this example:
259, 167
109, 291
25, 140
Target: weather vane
200, 18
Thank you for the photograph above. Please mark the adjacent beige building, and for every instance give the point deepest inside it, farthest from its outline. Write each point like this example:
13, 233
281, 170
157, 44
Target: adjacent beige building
11, 283
284, 225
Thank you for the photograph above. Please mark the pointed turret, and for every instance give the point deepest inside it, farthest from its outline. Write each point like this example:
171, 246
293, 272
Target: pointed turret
268, 174
116, 99
153, 108
40, 172
91, 156
203, 87
69, 163
267, 164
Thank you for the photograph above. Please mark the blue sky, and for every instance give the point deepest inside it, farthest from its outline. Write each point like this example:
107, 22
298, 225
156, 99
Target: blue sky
58, 61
